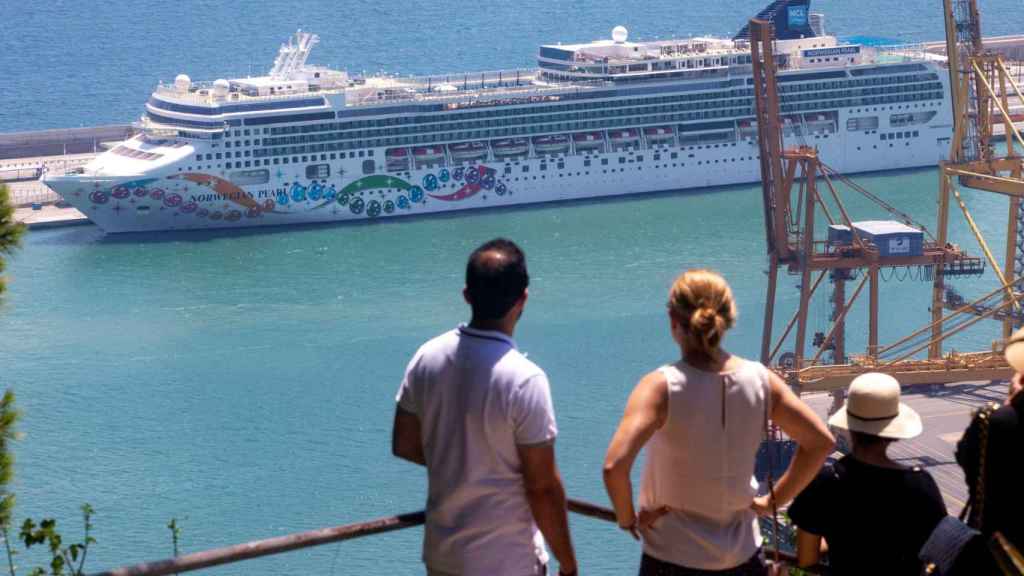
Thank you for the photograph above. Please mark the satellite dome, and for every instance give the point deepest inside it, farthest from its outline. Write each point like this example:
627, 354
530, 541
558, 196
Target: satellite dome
182, 82
620, 34
221, 87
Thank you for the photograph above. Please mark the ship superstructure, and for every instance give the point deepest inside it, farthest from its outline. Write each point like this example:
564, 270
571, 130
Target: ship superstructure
307, 143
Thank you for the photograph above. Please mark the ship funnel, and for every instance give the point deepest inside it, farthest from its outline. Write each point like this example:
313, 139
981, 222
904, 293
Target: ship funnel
817, 22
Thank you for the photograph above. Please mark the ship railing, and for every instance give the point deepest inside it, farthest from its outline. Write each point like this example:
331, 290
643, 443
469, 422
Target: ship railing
31, 193
470, 79
493, 78
158, 130
467, 97
300, 540
912, 52
195, 97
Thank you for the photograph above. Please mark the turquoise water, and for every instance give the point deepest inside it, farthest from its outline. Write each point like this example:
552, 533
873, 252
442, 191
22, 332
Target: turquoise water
244, 382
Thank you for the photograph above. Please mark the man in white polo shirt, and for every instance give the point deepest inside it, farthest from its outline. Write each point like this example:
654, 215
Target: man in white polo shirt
478, 415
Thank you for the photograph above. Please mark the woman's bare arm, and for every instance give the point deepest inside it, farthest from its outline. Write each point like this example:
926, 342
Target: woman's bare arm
808, 548
814, 442
645, 412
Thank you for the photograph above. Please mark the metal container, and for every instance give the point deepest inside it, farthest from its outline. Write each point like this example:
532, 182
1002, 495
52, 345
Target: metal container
893, 239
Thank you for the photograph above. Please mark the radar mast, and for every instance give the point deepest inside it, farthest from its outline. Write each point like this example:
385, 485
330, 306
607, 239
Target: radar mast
291, 58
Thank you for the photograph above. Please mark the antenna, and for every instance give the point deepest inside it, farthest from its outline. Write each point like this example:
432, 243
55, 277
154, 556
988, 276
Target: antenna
291, 57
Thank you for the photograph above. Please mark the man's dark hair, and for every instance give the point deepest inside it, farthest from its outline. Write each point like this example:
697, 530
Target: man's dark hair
496, 278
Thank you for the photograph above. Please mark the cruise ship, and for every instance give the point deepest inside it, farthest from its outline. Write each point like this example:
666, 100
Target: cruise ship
306, 143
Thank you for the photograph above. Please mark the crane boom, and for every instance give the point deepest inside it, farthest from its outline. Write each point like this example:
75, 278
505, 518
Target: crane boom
769, 137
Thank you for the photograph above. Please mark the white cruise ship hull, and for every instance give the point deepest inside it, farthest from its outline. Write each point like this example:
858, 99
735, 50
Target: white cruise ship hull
204, 199
307, 144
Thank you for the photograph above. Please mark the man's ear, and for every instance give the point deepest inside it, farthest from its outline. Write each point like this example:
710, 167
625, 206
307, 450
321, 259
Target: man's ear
465, 296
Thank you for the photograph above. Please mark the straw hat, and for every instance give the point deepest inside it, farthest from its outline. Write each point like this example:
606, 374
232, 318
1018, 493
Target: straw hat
873, 407
1015, 350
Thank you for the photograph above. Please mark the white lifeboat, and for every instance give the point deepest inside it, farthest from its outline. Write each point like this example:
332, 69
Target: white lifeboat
397, 158
588, 140
659, 134
428, 153
510, 147
468, 150
551, 144
624, 137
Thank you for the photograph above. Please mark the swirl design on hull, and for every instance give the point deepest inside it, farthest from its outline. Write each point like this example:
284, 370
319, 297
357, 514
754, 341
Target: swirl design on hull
388, 195
225, 188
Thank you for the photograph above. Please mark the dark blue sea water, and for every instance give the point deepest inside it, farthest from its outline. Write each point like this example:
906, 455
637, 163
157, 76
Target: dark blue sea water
244, 382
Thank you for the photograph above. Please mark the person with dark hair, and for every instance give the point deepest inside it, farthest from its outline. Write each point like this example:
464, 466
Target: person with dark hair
478, 415
702, 419
496, 279
873, 514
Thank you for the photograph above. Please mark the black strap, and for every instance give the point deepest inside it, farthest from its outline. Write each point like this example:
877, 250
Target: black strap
871, 419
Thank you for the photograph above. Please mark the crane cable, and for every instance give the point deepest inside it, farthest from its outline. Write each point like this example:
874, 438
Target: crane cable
903, 216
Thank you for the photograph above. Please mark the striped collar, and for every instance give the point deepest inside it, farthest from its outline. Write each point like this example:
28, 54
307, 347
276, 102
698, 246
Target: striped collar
465, 330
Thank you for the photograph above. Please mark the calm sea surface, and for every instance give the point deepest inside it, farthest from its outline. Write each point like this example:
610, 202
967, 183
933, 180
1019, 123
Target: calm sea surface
244, 382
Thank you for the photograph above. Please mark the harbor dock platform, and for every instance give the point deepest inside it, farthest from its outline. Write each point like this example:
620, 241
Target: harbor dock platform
49, 216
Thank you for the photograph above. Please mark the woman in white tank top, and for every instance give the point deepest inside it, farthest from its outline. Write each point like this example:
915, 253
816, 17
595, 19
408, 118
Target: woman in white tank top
702, 420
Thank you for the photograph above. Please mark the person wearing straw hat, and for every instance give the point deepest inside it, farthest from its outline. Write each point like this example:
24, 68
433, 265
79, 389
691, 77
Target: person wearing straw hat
1002, 509
872, 513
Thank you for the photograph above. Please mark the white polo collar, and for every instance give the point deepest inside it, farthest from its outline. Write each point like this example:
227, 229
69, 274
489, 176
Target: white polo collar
466, 330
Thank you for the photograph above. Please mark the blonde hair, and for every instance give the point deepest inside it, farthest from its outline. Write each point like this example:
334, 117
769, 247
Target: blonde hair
702, 302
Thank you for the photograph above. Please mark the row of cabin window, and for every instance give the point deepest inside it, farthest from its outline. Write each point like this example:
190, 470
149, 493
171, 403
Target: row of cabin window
895, 135
728, 108
559, 127
815, 87
506, 132
313, 171
533, 111
632, 111
335, 156
857, 82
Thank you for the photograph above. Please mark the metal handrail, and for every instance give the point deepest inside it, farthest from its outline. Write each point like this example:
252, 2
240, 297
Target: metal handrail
281, 544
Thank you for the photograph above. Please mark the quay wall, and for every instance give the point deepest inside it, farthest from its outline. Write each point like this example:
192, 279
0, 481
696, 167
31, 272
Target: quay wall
61, 141
1011, 47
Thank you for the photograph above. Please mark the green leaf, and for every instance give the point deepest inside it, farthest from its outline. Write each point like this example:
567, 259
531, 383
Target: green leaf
10, 230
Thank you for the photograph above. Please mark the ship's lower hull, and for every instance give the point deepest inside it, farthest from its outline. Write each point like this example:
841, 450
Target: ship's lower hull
182, 200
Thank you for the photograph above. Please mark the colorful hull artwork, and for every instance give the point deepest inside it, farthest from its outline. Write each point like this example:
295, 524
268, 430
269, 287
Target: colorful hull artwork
217, 201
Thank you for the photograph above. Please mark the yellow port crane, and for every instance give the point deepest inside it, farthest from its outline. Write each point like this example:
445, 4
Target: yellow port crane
980, 87
793, 197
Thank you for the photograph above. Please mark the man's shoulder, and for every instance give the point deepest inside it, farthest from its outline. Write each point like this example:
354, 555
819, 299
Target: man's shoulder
443, 341
518, 367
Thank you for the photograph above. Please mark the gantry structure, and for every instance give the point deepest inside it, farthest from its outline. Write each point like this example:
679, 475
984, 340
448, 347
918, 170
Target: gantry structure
981, 88
796, 188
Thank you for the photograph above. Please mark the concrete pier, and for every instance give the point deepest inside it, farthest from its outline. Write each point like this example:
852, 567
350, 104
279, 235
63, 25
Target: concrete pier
61, 142
49, 216
28, 192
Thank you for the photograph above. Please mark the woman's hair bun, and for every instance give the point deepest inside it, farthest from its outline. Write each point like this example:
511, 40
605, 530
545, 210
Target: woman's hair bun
703, 302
